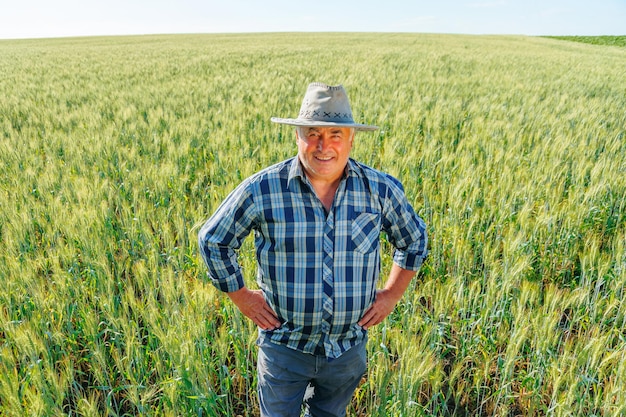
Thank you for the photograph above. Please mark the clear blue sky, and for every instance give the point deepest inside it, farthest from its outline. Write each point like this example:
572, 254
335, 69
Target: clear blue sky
59, 18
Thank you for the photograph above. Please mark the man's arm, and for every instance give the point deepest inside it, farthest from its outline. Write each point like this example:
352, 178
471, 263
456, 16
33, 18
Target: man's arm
219, 238
387, 298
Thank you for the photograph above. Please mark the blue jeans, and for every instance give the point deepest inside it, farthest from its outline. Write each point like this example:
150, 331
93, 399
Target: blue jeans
287, 379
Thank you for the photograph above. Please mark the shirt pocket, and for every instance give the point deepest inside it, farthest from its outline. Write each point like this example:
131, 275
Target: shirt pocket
366, 232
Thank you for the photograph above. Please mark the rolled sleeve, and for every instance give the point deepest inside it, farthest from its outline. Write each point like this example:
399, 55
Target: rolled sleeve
409, 260
224, 271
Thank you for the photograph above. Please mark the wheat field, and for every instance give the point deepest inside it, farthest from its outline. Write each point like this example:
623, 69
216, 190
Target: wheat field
115, 150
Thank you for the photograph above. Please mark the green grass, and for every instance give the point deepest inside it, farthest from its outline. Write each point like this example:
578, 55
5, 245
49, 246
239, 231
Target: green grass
115, 150
595, 40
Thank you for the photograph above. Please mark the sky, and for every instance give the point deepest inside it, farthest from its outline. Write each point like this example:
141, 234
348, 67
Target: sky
63, 18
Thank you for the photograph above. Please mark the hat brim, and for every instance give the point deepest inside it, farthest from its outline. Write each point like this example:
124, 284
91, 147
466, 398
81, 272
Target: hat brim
314, 123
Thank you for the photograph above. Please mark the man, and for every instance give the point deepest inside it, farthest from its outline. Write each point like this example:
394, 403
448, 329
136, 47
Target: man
317, 220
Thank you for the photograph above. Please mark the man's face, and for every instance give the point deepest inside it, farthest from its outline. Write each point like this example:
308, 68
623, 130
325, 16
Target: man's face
324, 151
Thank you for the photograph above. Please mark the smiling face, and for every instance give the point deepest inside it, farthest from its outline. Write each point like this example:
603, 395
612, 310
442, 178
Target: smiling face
324, 152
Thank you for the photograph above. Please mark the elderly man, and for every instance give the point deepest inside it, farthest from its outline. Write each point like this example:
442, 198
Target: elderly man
317, 219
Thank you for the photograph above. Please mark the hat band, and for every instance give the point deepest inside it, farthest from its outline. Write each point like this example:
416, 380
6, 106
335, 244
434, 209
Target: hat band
328, 116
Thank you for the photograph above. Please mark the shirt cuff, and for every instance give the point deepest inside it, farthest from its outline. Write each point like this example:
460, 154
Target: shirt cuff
229, 284
408, 261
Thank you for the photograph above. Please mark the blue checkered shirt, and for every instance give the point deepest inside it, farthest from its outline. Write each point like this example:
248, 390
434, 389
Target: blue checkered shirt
317, 269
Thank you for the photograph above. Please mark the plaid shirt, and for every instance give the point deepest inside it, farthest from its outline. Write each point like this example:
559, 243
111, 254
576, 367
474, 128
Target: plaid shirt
317, 269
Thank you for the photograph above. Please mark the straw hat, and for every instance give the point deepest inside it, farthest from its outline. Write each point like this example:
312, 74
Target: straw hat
324, 106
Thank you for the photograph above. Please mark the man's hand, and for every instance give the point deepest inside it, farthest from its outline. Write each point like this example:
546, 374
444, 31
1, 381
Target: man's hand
253, 305
387, 298
382, 307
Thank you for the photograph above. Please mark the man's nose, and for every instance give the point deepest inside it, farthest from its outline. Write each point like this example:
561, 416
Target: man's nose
322, 142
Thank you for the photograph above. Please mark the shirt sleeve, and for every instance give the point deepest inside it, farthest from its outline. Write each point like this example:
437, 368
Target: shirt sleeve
405, 230
223, 234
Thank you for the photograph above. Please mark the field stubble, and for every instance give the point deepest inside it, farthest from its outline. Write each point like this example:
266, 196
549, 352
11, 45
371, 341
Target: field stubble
114, 150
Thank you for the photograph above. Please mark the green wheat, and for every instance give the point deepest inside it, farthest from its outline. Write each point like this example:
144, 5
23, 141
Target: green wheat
114, 150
